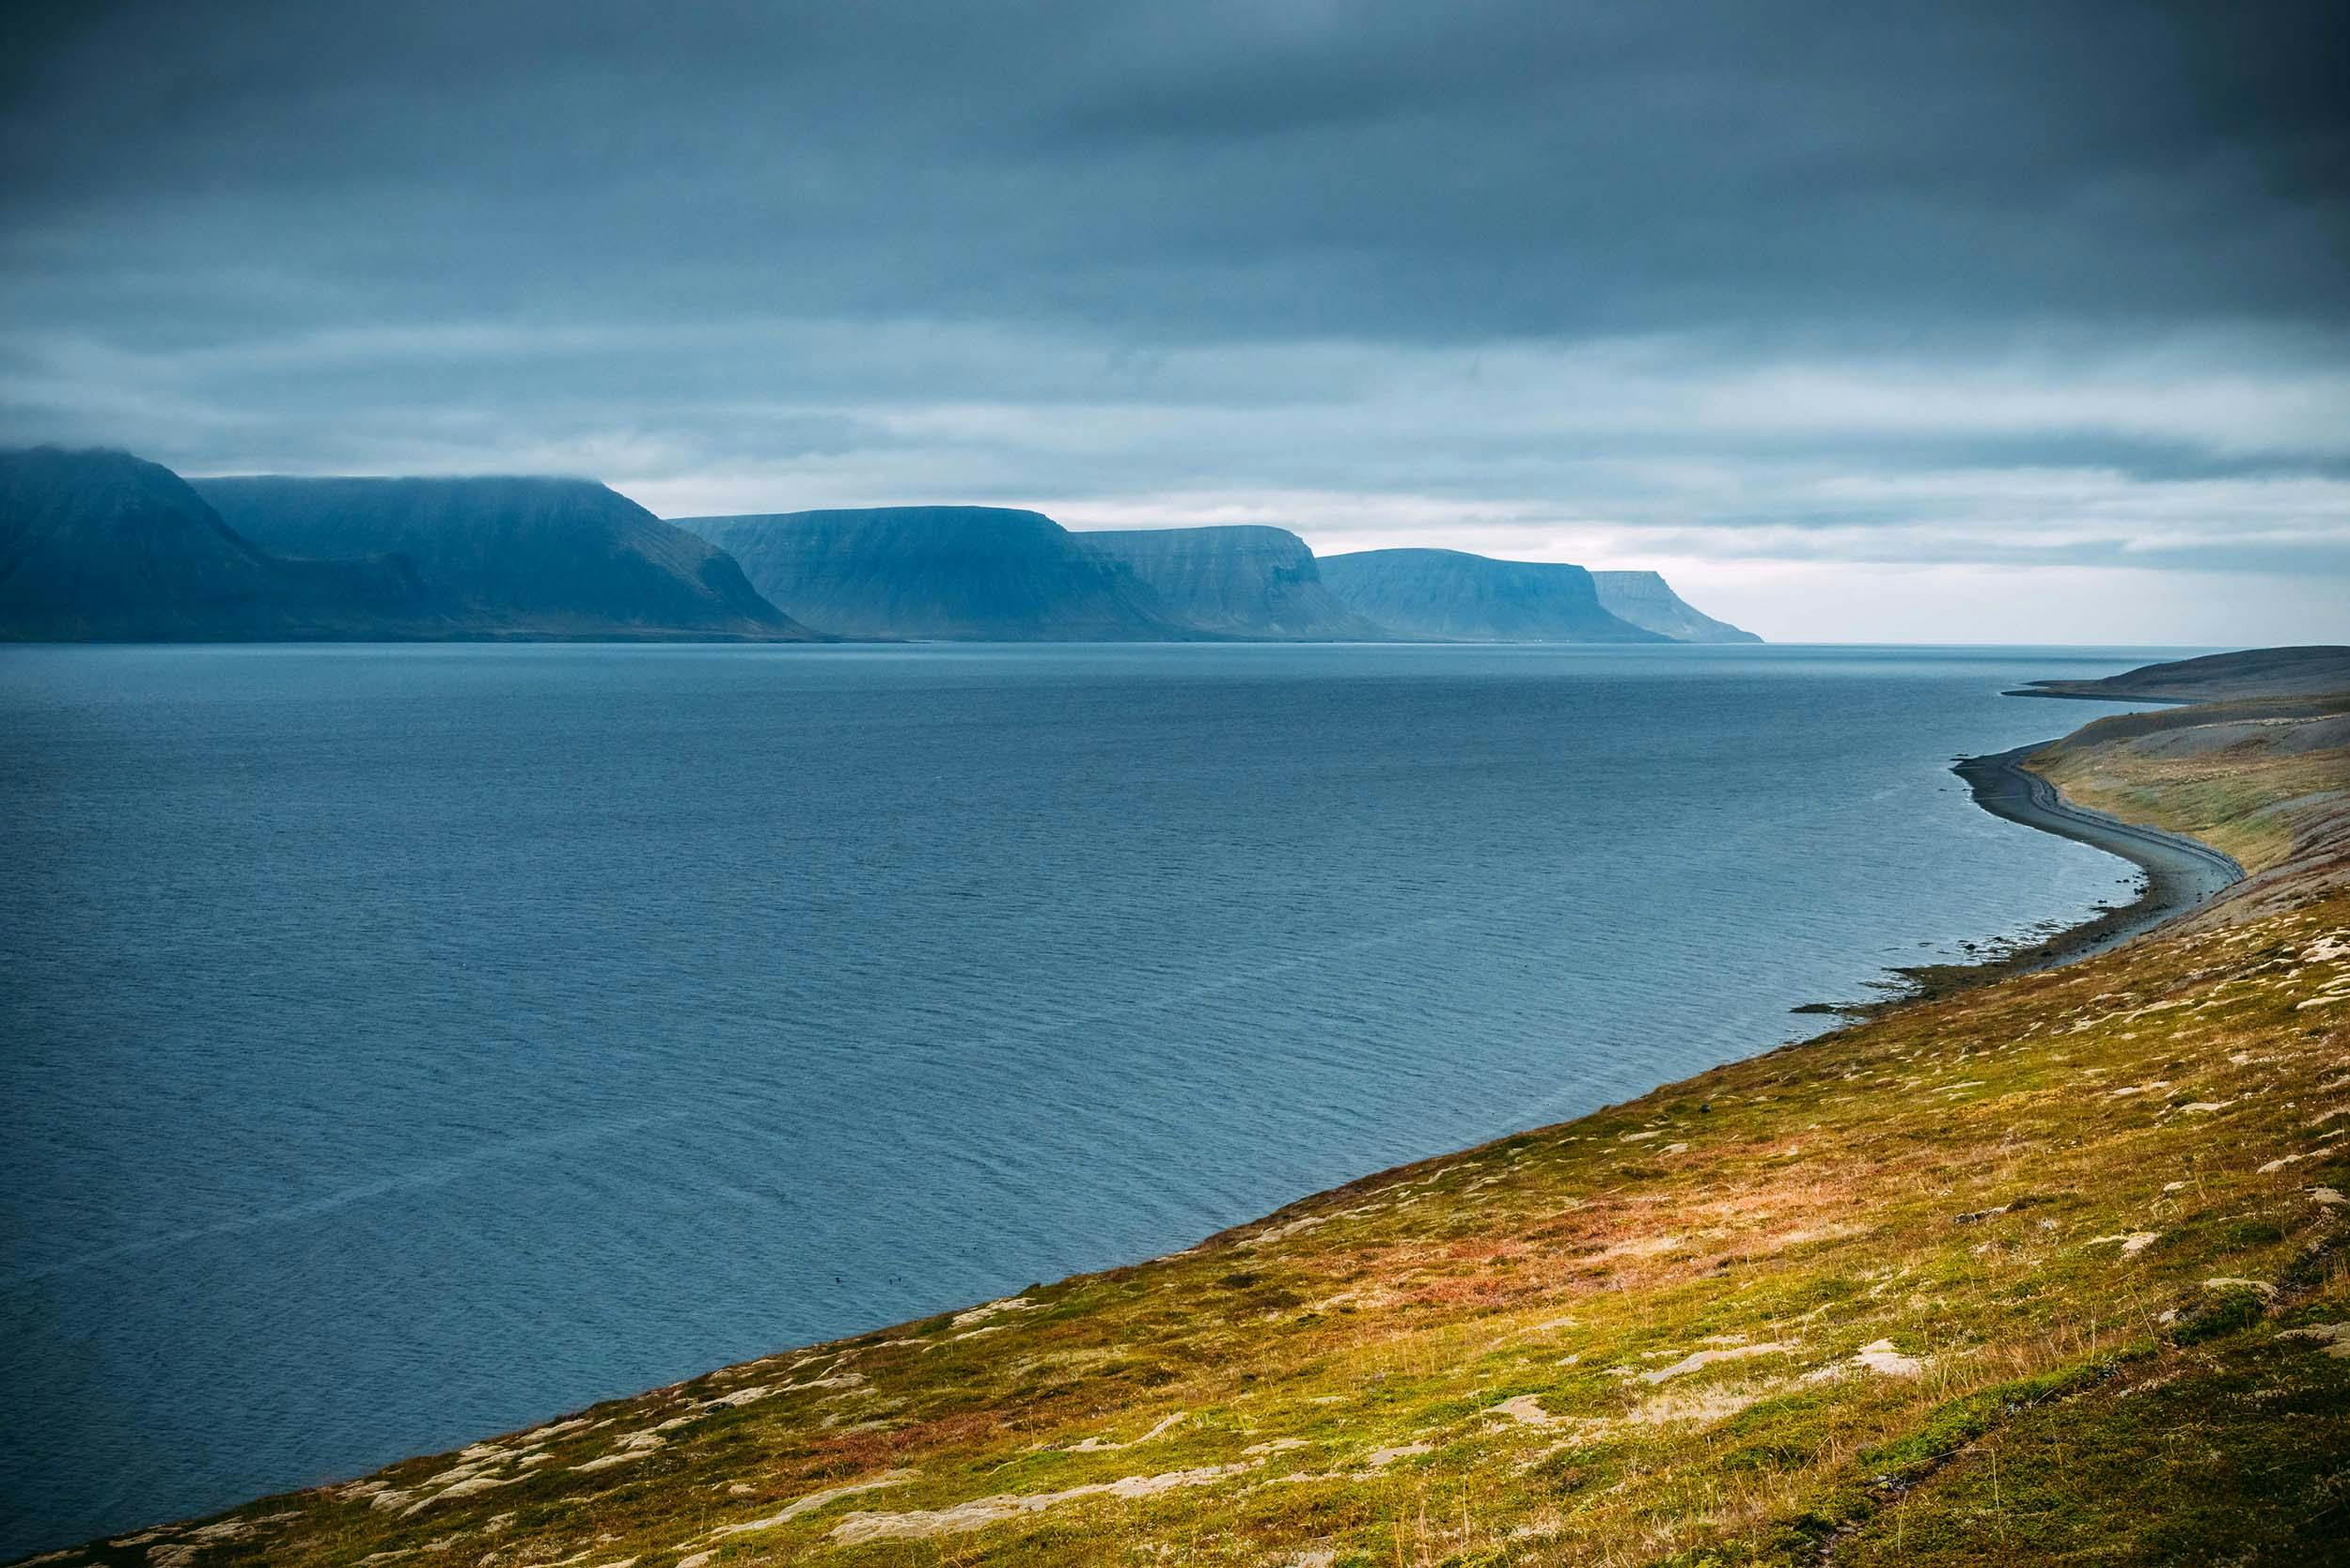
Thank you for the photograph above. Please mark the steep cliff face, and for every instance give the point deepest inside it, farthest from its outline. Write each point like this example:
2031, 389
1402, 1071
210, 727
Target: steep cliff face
519, 557
972, 573
1451, 596
1645, 599
100, 545
1240, 581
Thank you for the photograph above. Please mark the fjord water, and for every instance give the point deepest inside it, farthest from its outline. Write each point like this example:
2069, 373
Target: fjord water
401, 1044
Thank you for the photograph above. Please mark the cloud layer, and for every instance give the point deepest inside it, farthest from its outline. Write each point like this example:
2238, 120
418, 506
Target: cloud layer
1791, 296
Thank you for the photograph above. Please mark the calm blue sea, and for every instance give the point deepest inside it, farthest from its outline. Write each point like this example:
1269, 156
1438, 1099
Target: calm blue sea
401, 1044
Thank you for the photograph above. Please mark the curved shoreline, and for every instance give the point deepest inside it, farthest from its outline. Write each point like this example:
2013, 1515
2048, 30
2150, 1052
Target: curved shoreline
2180, 873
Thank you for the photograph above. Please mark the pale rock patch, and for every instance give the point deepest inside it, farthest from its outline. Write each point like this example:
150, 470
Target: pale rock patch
1103, 1445
1282, 1232
2329, 948
1379, 1459
1697, 1360
982, 1512
1881, 1357
752, 1395
471, 1486
2333, 1337
813, 1501
1526, 1410
981, 1314
2132, 1244
605, 1461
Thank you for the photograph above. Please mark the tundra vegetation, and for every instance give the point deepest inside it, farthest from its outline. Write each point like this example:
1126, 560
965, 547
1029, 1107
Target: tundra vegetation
2050, 1269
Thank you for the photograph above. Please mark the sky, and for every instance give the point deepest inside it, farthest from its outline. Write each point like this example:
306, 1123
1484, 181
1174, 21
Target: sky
1965, 322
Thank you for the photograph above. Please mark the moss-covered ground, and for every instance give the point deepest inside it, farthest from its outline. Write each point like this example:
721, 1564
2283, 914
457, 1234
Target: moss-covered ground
2052, 1270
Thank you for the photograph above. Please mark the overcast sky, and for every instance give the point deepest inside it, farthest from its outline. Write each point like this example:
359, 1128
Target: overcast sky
1972, 323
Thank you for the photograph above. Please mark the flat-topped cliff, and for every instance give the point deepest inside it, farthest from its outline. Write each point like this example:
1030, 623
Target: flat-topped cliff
1235, 580
971, 573
552, 557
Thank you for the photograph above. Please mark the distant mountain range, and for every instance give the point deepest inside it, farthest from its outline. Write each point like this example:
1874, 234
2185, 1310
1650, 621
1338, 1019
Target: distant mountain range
104, 546
1451, 596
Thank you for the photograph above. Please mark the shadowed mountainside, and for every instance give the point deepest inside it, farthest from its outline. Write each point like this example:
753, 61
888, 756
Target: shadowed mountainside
1645, 599
1451, 596
2049, 1270
1242, 581
958, 574
103, 547
524, 556
2256, 672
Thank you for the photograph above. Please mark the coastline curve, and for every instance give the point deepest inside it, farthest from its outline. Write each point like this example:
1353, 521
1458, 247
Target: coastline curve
2182, 873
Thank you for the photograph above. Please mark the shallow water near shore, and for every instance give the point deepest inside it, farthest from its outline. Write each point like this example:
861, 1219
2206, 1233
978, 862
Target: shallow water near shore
401, 1044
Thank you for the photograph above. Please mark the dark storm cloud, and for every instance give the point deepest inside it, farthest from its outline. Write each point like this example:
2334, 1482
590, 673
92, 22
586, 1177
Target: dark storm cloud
1381, 171
1719, 264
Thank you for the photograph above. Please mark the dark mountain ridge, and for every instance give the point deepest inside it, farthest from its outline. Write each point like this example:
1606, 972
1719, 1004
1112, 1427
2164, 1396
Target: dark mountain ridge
558, 558
98, 545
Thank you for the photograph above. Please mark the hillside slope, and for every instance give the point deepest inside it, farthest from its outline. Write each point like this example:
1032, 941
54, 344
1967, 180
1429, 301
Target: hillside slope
2049, 1270
974, 574
100, 545
1451, 596
1645, 599
532, 557
1240, 581
2256, 672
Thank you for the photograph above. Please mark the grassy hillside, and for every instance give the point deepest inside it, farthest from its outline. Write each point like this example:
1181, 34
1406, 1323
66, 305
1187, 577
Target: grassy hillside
2261, 778
2049, 1270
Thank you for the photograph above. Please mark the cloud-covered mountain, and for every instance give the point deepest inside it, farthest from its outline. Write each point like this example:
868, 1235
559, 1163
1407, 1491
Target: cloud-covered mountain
1451, 596
1241, 581
510, 556
968, 574
1645, 599
103, 547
